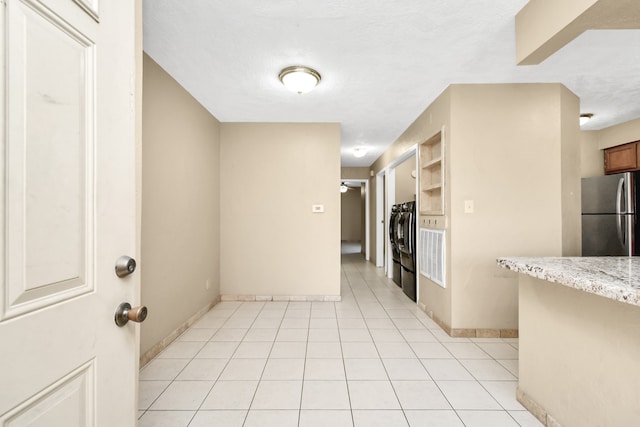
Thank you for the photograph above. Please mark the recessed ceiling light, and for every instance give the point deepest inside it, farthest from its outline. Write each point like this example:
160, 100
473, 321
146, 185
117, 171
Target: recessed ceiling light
299, 79
584, 118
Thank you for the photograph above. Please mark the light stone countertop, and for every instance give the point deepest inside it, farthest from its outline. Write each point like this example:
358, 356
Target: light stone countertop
617, 278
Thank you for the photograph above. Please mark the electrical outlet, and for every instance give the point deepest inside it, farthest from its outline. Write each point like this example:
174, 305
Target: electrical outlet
207, 284
468, 206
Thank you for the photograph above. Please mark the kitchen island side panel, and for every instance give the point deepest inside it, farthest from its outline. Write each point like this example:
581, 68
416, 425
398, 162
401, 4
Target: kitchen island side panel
579, 355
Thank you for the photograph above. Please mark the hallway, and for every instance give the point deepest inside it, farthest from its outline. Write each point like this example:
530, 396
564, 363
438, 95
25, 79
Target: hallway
373, 359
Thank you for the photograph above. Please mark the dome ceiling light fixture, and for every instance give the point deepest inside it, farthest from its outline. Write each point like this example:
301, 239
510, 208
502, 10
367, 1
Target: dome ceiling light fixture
584, 118
360, 152
299, 79
343, 188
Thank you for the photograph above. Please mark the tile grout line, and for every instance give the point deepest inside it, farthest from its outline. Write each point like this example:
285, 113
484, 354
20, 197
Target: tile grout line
344, 367
265, 363
223, 368
304, 365
231, 358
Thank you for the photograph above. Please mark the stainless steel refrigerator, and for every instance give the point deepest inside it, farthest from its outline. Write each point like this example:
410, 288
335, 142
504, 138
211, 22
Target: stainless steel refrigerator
609, 215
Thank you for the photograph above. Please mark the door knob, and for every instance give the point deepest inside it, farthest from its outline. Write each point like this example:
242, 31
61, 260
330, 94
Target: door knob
124, 313
125, 266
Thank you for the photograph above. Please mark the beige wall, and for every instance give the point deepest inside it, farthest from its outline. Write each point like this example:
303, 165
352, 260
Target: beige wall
405, 183
429, 123
619, 134
514, 150
351, 217
545, 26
579, 355
354, 173
593, 142
426, 125
506, 154
571, 173
180, 205
272, 243
592, 157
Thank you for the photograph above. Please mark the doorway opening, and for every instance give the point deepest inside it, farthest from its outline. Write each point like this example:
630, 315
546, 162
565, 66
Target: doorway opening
355, 217
388, 181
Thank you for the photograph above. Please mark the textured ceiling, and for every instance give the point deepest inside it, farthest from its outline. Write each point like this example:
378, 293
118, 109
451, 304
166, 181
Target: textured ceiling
382, 62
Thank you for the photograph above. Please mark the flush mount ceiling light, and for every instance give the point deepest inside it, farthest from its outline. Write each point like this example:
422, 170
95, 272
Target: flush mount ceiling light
584, 118
299, 79
343, 188
359, 152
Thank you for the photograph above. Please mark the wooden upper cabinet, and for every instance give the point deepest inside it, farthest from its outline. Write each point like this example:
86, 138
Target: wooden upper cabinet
622, 158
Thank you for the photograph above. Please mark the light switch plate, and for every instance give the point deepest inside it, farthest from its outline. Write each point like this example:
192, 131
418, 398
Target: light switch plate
317, 208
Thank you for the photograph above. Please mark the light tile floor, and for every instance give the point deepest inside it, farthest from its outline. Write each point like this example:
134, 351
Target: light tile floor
373, 359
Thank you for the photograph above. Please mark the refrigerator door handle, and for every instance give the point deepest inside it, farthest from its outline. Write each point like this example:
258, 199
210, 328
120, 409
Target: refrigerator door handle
620, 197
619, 200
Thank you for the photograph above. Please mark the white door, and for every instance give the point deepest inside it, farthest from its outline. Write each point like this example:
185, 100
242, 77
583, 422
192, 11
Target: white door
67, 212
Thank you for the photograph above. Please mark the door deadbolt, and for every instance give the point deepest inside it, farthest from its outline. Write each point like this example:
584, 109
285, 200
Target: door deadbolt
124, 313
125, 266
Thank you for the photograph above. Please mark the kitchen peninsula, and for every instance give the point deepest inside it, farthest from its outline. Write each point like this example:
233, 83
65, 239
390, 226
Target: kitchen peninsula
579, 322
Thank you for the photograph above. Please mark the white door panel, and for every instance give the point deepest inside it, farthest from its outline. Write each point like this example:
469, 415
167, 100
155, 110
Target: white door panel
68, 211
50, 162
91, 7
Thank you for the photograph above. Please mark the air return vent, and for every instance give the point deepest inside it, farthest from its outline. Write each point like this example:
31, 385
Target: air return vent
432, 255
